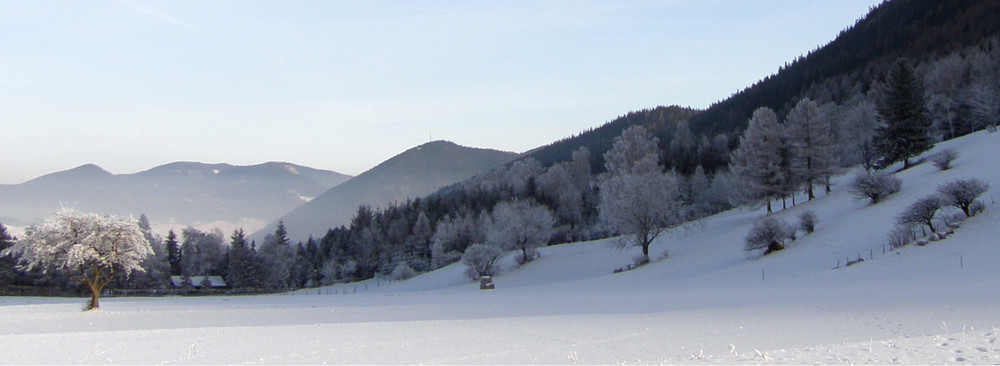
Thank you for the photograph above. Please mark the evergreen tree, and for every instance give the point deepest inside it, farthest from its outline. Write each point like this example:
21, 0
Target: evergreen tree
277, 259
904, 130
173, 253
420, 244
242, 272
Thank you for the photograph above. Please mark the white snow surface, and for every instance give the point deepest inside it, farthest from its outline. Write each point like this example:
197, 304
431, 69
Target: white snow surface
708, 302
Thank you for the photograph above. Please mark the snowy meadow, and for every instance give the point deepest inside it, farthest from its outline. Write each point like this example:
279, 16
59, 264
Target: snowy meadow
706, 301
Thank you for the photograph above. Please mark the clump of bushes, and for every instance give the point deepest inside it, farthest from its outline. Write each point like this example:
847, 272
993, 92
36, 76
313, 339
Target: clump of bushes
943, 160
874, 186
807, 221
482, 260
769, 233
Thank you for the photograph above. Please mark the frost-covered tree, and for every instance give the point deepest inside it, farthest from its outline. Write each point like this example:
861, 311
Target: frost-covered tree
557, 185
638, 201
944, 82
984, 93
904, 130
202, 253
921, 212
277, 258
520, 225
683, 149
874, 186
580, 169
757, 159
7, 264
769, 233
856, 135
452, 236
811, 145
90, 248
962, 193
522, 176
481, 260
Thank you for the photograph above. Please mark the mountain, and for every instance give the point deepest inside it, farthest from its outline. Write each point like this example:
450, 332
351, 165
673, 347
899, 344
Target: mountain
414, 173
175, 194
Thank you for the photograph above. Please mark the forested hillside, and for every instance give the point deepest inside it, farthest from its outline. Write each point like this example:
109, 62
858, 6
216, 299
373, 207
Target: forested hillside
858, 57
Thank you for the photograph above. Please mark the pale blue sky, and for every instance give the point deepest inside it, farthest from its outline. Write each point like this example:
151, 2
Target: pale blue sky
344, 85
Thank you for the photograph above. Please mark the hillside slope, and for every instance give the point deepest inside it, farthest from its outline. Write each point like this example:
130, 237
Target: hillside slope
413, 173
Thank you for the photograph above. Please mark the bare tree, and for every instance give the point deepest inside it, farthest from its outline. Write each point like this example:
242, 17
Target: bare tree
962, 193
921, 212
810, 143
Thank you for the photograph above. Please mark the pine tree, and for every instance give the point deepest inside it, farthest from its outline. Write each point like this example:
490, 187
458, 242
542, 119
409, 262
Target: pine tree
905, 128
242, 271
173, 253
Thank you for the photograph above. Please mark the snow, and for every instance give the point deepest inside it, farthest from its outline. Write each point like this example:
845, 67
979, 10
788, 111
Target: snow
708, 302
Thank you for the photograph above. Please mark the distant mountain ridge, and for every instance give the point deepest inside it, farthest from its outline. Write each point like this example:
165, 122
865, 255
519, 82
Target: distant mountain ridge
180, 193
414, 173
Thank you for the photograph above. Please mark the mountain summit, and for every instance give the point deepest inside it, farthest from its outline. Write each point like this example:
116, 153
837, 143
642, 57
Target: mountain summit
416, 172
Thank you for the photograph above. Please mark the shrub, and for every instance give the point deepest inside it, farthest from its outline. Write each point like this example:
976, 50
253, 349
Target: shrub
943, 159
481, 260
874, 186
977, 207
402, 272
962, 193
921, 212
901, 236
807, 221
527, 256
769, 233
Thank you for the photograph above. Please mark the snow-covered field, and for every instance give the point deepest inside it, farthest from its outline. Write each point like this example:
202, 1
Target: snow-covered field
707, 302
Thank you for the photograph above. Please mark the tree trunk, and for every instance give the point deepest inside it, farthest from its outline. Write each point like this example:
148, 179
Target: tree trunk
95, 293
774, 247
